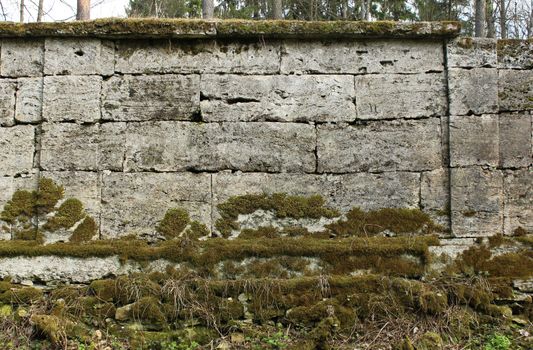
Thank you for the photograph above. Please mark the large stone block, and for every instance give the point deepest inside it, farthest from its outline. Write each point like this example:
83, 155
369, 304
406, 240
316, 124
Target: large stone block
135, 203
83, 185
474, 140
343, 192
21, 57
78, 56
69, 146
197, 56
364, 56
515, 54
18, 146
518, 200
434, 191
29, 100
472, 53
516, 140
179, 146
153, 97
277, 98
386, 96
473, 91
476, 201
7, 102
72, 98
515, 90
409, 145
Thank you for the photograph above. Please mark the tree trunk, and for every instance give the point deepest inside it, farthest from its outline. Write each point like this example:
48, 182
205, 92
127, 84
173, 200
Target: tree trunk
277, 9
491, 30
83, 10
503, 20
40, 11
21, 11
368, 6
208, 9
479, 29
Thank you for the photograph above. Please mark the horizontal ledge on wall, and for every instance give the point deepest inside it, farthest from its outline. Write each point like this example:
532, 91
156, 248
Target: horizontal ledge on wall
187, 28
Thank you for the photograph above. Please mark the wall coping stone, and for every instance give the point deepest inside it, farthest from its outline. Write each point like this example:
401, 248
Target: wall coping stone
190, 29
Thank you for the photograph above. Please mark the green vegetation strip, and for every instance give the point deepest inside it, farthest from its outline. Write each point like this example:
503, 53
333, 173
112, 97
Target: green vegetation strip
218, 249
182, 28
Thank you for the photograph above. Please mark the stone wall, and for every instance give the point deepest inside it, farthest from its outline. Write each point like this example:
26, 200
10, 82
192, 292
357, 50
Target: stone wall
134, 124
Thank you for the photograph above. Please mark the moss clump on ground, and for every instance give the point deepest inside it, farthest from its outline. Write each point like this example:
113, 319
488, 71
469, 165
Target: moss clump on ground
26, 295
282, 205
390, 220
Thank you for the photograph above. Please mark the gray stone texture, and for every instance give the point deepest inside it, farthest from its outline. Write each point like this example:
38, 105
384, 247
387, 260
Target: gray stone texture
516, 140
472, 53
29, 100
473, 91
474, 140
476, 201
361, 56
78, 56
17, 150
21, 57
69, 146
182, 146
278, 98
515, 90
72, 98
518, 200
197, 56
408, 145
7, 102
172, 97
343, 192
135, 203
386, 96
515, 54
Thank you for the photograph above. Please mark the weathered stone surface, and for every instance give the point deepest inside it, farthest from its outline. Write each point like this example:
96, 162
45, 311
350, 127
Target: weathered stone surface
172, 97
473, 91
277, 98
63, 269
434, 190
476, 202
205, 56
451, 248
83, 185
515, 54
472, 53
17, 145
72, 98
68, 146
78, 56
29, 100
343, 192
363, 56
135, 203
179, 146
21, 58
518, 200
386, 96
7, 102
474, 140
515, 90
412, 145
516, 140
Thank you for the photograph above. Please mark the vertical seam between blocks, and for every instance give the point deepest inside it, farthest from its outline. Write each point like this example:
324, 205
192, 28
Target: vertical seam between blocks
448, 138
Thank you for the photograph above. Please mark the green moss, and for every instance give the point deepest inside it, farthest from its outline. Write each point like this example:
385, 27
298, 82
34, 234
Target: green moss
174, 222
398, 221
282, 205
21, 206
147, 310
25, 295
103, 289
85, 231
67, 215
196, 230
48, 195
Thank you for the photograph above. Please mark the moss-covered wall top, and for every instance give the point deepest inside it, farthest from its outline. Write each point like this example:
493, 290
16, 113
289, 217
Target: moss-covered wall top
178, 28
